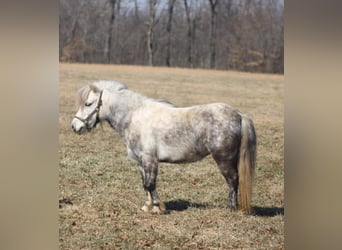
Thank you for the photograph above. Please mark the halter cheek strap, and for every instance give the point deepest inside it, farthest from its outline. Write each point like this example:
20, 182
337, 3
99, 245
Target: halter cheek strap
96, 110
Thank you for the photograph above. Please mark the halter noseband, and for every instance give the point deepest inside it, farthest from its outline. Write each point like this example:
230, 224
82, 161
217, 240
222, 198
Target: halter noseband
96, 110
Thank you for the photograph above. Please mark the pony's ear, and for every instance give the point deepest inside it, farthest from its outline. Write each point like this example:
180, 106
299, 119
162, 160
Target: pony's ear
94, 88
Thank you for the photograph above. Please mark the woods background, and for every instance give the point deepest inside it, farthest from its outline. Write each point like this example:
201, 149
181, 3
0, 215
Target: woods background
219, 34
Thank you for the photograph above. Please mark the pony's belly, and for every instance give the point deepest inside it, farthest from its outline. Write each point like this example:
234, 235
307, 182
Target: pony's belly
179, 155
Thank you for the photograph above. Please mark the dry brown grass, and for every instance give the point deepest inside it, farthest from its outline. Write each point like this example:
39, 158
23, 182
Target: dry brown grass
105, 189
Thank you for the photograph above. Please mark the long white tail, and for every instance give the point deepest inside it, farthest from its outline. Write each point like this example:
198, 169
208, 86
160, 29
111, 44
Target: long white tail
246, 166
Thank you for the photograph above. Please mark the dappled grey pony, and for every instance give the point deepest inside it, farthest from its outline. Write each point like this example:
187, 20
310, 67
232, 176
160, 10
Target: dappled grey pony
157, 131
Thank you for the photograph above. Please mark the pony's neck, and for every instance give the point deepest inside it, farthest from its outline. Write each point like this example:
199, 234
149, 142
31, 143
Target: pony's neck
121, 107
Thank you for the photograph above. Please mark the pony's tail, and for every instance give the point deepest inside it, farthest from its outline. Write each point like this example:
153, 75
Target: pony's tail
246, 163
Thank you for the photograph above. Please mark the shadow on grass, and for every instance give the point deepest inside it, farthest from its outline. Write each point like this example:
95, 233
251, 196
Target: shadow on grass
268, 211
63, 202
181, 205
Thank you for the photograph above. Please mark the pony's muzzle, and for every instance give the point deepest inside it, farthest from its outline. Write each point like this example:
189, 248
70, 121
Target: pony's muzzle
78, 127
73, 128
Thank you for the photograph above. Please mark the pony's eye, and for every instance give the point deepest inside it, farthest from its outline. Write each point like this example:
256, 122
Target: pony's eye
87, 104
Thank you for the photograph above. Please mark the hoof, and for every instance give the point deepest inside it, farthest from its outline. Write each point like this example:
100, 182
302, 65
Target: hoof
156, 210
147, 208
159, 209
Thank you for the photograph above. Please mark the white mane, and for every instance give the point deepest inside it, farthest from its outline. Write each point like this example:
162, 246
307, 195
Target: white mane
110, 85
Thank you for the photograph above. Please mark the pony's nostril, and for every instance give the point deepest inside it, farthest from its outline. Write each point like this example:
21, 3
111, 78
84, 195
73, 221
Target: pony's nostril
73, 127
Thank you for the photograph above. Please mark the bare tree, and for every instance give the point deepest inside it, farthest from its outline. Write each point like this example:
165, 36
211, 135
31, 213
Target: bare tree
150, 26
72, 38
108, 48
191, 19
171, 4
222, 34
136, 11
212, 39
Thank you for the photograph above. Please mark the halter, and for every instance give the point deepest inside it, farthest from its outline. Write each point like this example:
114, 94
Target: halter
96, 110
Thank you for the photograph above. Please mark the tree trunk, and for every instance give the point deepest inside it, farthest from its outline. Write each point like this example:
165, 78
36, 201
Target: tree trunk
117, 42
108, 49
168, 30
136, 11
151, 23
189, 33
212, 39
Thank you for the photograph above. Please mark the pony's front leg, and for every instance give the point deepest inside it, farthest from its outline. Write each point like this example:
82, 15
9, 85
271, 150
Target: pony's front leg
149, 171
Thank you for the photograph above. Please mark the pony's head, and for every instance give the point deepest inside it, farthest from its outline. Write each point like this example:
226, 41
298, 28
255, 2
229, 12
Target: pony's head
89, 102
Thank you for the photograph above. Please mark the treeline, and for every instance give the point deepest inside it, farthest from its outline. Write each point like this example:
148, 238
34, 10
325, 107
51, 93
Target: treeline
245, 35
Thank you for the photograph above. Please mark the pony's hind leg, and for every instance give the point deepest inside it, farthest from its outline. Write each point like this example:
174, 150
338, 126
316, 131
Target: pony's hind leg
149, 171
228, 168
148, 202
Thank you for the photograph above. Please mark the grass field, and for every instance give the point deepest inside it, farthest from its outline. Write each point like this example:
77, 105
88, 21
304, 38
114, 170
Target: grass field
101, 191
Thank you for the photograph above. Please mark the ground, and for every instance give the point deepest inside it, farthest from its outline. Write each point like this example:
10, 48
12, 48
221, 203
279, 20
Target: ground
100, 189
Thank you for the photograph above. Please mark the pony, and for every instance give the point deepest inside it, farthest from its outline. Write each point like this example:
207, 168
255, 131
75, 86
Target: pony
156, 131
